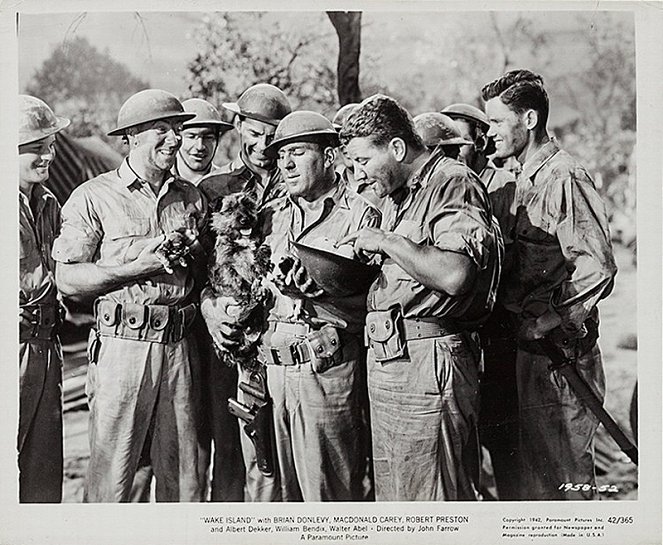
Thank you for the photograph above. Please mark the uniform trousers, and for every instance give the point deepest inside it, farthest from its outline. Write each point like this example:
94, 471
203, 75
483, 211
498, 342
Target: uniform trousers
40, 450
556, 428
424, 409
319, 427
142, 391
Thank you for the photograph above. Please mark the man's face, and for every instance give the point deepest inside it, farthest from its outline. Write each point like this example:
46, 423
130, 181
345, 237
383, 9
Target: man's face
507, 128
157, 143
254, 137
468, 152
34, 160
303, 166
198, 147
375, 165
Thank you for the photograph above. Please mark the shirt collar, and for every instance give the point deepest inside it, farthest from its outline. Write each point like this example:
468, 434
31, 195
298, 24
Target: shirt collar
129, 177
540, 158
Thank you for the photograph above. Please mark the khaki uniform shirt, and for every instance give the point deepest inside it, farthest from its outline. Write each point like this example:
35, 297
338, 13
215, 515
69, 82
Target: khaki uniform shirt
562, 253
342, 212
236, 177
501, 186
37, 233
106, 216
445, 206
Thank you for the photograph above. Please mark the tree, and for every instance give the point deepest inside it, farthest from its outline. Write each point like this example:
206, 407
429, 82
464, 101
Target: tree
237, 50
84, 84
348, 29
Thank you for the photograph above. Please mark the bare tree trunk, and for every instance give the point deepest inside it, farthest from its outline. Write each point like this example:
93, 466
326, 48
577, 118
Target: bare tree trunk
348, 28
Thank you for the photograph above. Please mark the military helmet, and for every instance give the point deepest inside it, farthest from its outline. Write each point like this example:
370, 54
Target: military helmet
343, 113
438, 129
149, 105
37, 120
467, 112
303, 126
262, 102
206, 115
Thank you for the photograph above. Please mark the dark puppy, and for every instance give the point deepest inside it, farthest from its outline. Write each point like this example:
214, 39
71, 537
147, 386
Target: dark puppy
238, 266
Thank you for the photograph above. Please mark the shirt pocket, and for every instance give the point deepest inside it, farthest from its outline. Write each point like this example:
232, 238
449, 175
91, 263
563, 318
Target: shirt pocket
129, 227
412, 230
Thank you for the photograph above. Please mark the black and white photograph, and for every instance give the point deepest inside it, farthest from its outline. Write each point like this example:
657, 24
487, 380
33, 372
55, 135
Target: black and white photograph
387, 272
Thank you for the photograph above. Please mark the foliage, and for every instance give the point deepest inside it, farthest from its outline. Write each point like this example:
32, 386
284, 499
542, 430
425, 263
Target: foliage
603, 93
84, 84
237, 50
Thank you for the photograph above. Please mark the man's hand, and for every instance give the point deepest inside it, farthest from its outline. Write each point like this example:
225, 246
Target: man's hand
368, 240
533, 329
220, 319
149, 261
296, 279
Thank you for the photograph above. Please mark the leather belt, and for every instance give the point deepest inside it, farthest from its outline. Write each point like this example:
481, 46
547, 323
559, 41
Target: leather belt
151, 323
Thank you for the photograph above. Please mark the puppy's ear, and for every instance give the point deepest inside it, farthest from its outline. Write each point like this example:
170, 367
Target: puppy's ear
217, 204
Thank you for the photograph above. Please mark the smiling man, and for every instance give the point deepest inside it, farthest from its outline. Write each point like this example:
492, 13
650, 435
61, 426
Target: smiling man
441, 259
200, 139
40, 354
562, 266
257, 113
143, 362
313, 348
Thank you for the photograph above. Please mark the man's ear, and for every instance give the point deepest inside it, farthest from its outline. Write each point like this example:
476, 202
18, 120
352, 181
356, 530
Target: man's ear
330, 156
531, 118
398, 148
237, 121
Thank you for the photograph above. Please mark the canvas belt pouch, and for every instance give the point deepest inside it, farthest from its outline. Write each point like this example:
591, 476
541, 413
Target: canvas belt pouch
322, 348
384, 334
150, 323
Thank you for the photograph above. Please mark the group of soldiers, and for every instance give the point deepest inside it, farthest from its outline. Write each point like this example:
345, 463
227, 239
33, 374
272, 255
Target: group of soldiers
488, 237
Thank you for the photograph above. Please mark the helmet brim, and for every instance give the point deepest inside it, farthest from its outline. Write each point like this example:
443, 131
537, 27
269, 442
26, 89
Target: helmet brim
220, 125
60, 124
234, 108
311, 136
179, 116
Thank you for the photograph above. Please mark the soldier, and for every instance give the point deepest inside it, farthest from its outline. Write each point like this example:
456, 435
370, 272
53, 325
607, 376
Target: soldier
498, 420
345, 168
313, 347
441, 253
200, 139
440, 130
126, 236
257, 113
562, 266
40, 354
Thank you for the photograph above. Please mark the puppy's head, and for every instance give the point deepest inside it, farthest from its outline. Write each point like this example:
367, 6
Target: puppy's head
234, 215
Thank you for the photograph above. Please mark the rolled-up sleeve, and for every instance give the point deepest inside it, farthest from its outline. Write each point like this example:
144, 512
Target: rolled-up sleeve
81, 230
459, 221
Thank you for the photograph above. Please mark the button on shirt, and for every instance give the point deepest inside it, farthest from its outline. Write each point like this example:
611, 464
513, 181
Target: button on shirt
563, 254
445, 206
340, 213
236, 177
37, 233
106, 216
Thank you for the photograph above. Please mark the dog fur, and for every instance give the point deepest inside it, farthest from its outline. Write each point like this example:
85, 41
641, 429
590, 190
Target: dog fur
237, 268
